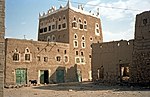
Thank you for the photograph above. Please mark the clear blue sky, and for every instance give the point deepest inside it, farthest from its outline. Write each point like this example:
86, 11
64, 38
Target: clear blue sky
22, 16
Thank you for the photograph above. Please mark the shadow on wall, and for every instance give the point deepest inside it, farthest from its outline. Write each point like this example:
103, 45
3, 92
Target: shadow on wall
63, 74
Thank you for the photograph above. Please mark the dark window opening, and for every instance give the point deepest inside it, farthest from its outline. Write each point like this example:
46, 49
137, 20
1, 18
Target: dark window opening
16, 57
49, 28
144, 21
27, 57
59, 26
41, 30
64, 25
81, 26
45, 29
53, 26
58, 58
85, 26
82, 54
74, 24
77, 53
66, 59
38, 58
45, 59
65, 52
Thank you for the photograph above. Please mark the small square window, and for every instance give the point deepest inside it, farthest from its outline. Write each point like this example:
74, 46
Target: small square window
45, 59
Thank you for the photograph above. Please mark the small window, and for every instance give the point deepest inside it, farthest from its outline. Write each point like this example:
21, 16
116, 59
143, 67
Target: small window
77, 53
80, 25
74, 24
64, 25
75, 36
77, 60
83, 38
85, 25
65, 51
53, 38
66, 59
82, 54
97, 30
58, 58
59, 26
64, 17
58, 50
16, 57
27, 57
38, 58
144, 21
45, 29
90, 56
41, 30
59, 19
83, 44
49, 28
53, 27
45, 59
75, 43
82, 60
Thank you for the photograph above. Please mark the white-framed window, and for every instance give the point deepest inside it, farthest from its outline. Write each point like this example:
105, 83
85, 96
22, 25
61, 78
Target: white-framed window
45, 59
66, 59
58, 58
97, 29
91, 38
77, 60
83, 45
48, 38
16, 56
82, 60
75, 42
85, 25
80, 24
75, 36
27, 55
53, 38
83, 38
74, 23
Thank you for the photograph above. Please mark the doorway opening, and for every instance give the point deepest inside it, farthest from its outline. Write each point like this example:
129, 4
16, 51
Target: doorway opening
44, 76
124, 73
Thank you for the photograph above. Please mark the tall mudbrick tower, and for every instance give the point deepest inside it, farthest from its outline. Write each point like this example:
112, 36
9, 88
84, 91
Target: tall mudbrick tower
2, 44
140, 72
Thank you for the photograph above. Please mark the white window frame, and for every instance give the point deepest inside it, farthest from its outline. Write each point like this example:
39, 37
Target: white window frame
74, 43
97, 28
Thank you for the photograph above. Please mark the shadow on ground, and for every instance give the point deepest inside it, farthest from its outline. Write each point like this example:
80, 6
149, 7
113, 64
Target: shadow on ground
88, 86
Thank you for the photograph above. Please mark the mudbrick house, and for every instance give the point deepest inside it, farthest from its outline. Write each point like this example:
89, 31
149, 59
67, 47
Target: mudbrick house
62, 52
124, 61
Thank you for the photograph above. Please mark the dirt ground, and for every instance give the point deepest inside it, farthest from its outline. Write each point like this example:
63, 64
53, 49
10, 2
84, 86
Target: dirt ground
77, 90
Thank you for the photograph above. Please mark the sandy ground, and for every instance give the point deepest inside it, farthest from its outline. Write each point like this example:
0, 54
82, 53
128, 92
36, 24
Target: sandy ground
77, 90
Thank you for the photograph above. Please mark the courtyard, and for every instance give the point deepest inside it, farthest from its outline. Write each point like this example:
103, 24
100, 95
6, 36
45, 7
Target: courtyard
78, 90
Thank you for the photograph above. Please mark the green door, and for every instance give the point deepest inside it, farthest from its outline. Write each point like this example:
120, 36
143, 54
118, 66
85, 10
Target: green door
42, 76
60, 76
21, 76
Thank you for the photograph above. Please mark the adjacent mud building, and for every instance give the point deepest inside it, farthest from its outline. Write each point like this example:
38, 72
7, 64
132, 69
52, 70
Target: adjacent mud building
124, 61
